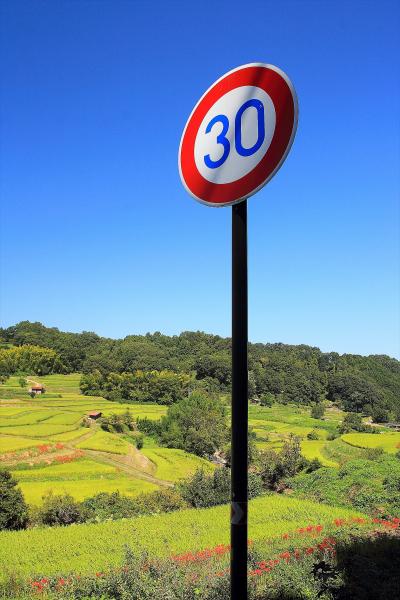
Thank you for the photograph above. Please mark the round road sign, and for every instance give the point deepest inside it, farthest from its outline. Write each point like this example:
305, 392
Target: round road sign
238, 134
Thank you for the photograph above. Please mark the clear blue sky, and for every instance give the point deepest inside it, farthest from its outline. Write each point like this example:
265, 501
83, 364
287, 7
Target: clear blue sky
98, 232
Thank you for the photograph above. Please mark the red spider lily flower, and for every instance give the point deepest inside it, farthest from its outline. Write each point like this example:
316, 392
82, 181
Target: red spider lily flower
221, 549
297, 554
44, 581
309, 528
99, 574
310, 550
319, 528
339, 522
285, 536
62, 581
301, 530
257, 572
286, 556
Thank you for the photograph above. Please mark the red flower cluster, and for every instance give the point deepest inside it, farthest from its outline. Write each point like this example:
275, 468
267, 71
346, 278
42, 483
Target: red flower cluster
43, 448
202, 555
66, 458
40, 585
265, 567
390, 523
33, 452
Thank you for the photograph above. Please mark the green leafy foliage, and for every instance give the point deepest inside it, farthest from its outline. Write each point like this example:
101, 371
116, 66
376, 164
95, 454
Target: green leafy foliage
368, 485
13, 510
278, 372
353, 422
317, 411
196, 424
274, 467
118, 423
203, 490
29, 359
59, 509
162, 387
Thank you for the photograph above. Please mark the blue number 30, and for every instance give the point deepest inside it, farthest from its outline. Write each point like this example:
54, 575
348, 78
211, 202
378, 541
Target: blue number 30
223, 140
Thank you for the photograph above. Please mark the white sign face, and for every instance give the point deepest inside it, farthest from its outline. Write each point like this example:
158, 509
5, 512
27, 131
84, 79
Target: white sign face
235, 134
238, 134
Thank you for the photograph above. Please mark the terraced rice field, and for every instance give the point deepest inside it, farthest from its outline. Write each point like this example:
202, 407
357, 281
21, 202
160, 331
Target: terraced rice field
112, 463
389, 442
56, 417
80, 479
105, 442
172, 465
95, 547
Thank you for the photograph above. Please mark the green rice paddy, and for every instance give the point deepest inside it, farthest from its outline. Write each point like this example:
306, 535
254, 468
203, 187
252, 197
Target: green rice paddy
89, 548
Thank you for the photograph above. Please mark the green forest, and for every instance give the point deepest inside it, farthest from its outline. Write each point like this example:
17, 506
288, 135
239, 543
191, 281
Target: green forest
160, 367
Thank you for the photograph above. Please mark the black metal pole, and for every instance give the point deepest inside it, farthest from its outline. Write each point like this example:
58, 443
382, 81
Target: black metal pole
239, 404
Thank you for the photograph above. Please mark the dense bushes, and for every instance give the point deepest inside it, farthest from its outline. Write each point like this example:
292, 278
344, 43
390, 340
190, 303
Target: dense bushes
354, 422
162, 387
13, 510
118, 423
58, 510
273, 467
196, 424
372, 486
203, 490
64, 510
29, 359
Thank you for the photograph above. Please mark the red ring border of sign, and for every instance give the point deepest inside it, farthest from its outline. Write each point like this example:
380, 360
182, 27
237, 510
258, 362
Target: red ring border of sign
279, 87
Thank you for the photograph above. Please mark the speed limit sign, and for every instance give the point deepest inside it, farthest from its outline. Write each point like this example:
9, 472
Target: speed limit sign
238, 134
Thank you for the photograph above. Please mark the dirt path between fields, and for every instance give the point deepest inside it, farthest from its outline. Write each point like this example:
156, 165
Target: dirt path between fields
122, 463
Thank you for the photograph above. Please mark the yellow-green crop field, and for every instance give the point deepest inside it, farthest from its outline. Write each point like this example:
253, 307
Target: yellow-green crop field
105, 442
12, 443
389, 442
89, 548
56, 418
80, 479
172, 464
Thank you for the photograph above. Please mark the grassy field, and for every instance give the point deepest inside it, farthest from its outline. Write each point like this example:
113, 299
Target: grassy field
95, 547
389, 442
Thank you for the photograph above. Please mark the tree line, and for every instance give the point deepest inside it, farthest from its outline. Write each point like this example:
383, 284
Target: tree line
277, 372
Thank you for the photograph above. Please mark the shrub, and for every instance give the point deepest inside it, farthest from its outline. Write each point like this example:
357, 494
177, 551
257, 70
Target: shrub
274, 467
313, 435
313, 465
166, 500
148, 426
106, 506
267, 399
353, 422
317, 410
196, 424
59, 510
13, 509
202, 490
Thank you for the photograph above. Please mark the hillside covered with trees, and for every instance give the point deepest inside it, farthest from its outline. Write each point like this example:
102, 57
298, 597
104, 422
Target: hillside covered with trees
132, 368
